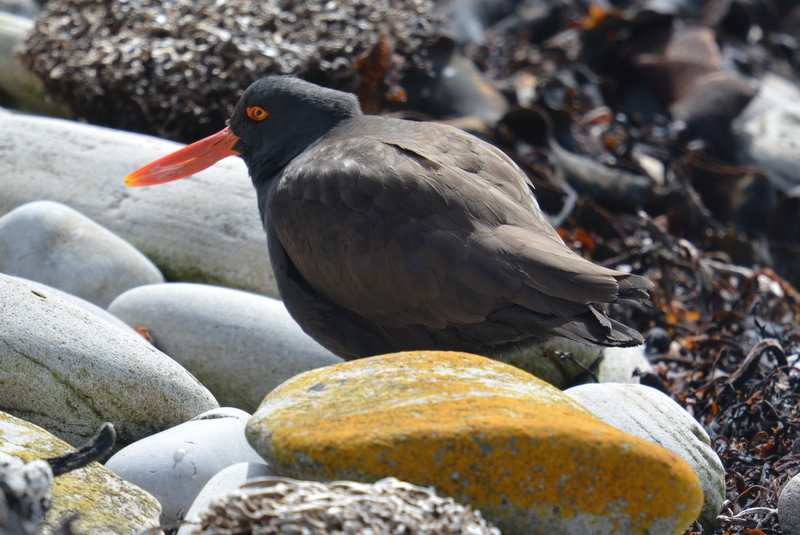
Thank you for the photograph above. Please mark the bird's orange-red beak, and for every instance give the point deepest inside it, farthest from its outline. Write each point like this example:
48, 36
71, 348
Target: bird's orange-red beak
186, 161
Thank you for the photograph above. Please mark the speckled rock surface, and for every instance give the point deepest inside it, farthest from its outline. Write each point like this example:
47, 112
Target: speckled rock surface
70, 371
176, 463
80, 303
239, 345
94, 500
530, 458
191, 229
52, 243
647, 413
789, 507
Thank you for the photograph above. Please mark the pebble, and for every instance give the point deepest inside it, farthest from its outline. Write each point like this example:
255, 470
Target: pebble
52, 243
20, 89
608, 364
92, 499
529, 457
202, 229
80, 303
223, 482
239, 345
789, 507
647, 413
175, 464
767, 131
70, 371
23, 8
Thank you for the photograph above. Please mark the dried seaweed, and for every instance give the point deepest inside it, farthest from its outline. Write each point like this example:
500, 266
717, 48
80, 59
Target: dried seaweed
176, 68
280, 506
731, 357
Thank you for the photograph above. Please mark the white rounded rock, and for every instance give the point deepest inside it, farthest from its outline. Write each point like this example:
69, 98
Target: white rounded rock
205, 228
239, 345
223, 482
51, 243
70, 371
645, 412
174, 465
767, 131
789, 507
80, 303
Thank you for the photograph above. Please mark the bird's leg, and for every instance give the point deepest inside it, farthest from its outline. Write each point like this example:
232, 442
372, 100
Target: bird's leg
566, 356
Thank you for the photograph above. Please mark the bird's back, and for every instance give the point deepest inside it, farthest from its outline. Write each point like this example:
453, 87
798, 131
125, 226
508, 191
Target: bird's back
429, 238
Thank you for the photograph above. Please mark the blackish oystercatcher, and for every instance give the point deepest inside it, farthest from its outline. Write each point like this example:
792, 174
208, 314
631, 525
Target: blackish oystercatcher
389, 235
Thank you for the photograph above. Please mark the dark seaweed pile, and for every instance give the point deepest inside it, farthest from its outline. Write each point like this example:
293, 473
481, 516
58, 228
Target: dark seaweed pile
175, 68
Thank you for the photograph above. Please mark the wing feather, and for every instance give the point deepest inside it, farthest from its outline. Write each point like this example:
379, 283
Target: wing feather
408, 230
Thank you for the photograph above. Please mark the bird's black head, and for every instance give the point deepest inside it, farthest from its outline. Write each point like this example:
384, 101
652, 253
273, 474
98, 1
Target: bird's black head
278, 117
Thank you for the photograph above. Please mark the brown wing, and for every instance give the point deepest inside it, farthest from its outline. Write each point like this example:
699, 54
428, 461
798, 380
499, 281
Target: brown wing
421, 224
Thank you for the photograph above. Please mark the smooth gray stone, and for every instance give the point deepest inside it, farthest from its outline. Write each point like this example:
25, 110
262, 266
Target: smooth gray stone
92, 499
23, 8
70, 371
204, 228
768, 130
175, 464
52, 243
20, 88
647, 413
239, 345
80, 303
223, 482
789, 507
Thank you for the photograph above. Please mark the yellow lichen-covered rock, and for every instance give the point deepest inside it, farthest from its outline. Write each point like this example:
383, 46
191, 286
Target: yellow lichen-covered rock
92, 499
482, 432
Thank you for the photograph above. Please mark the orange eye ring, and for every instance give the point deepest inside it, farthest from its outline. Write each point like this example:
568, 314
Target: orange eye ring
257, 113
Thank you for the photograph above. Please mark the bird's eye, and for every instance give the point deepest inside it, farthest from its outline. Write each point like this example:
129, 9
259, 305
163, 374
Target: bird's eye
257, 113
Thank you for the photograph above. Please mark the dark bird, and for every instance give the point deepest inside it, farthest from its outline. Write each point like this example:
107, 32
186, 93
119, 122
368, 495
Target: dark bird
389, 235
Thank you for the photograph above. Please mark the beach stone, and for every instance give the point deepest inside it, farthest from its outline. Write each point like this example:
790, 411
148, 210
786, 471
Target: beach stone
70, 372
223, 482
80, 303
91, 499
238, 344
647, 413
52, 243
201, 229
489, 435
608, 364
19, 88
175, 464
789, 507
23, 8
772, 141
767, 131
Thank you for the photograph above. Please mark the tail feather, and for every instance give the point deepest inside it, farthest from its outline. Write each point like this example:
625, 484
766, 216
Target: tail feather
633, 290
